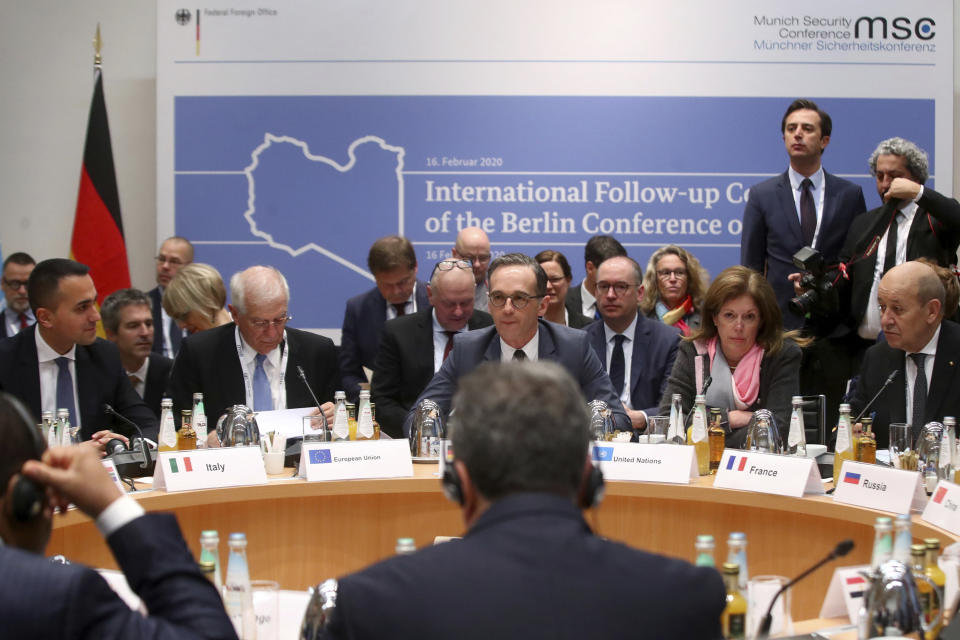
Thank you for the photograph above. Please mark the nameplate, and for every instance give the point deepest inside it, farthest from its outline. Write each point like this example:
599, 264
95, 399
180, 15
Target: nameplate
671, 463
768, 473
845, 593
943, 508
209, 468
355, 460
112, 472
881, 488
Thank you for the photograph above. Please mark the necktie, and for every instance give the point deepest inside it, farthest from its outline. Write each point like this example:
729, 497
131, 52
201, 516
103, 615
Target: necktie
617, 364
134, 381
449, 347
176, 337
890, 259
808, 212
401, 308
65, 389
919, 392
24, 322
262, 398
519, 356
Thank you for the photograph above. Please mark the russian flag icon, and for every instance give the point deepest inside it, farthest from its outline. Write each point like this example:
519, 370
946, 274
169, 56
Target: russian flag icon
851, 478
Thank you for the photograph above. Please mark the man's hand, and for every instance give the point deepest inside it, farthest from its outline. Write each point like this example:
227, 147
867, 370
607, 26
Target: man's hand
795, 279
101, 438
74, 474
902, 189
328, 412
739, 419
637, 418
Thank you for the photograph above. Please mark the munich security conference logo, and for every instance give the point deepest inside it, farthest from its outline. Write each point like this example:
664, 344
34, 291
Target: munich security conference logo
183, 16
320, 456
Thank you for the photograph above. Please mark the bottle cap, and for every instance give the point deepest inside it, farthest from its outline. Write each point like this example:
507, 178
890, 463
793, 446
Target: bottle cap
704, 538
731, 569
932, 543
917, 549
209, 533
236, 537
738, 536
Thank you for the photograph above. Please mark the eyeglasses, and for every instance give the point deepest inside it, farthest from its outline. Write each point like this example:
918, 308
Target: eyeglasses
519, 300
619, 288
478, 259
450, 264
15, 284
557, 280
173, 262
276, 323
666, 274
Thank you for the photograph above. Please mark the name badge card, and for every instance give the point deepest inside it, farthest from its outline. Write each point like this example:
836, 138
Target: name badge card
672, 463
881, 488
355, 460
112, 472
845, 593
942, 509
209, 469
768, 473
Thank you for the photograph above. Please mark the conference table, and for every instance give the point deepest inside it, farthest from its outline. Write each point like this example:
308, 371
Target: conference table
301, 533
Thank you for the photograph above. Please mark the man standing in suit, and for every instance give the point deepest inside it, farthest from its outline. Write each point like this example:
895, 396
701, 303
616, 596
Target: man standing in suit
41, 599
919, 346
393, 263
521, 475
474, 245
413, 347
253, 360
804, 206
17, 314
582, 299
518, 297
128, 323
60, 362
174, 253
637, 352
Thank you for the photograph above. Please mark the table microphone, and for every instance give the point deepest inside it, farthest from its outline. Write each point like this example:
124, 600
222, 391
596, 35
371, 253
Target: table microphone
842, 549
303, 377
147, 457
890, 379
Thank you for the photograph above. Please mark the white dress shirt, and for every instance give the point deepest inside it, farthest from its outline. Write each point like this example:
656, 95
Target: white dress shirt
140, 386
628, 345
532, 349
588, 302
410, 306
49, 372
911, 368
12, 319
440, 341
272, 368
817, 191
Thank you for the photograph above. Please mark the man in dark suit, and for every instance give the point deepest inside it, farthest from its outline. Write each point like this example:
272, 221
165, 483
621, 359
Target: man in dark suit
40, 599
413, 347
518, 297
60, 362
174, 253
582, 299
473, 244
128, 323
393, 263
253, 360
804, 206
921, 347
637, 352
16, 314
528, 561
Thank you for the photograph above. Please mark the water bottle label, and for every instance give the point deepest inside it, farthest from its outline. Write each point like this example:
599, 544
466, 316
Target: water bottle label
796, 435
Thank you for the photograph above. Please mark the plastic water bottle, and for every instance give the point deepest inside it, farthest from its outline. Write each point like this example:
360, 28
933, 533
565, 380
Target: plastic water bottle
237, 593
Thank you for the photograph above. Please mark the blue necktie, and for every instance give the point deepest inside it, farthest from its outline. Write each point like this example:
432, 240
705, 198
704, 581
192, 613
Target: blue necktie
618, 365
65, 389
262, 398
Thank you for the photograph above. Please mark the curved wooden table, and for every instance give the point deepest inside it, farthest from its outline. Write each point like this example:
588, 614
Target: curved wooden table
301, 533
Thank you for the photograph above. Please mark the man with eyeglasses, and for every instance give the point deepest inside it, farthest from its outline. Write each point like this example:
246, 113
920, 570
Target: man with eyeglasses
473, 244
174, 253
637, 352
17, 314
413, 347
582, 299
518, 297
253, 360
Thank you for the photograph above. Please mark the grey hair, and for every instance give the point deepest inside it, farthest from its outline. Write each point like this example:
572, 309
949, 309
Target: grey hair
918, 163
266, 282
118, 300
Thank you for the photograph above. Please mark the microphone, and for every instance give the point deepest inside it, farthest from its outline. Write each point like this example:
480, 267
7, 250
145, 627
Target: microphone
303, 377
842, 549
114, 446
295, 448
890, 379
706, 385
149, 460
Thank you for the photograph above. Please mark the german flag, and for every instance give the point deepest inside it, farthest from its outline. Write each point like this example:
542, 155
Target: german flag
97, 227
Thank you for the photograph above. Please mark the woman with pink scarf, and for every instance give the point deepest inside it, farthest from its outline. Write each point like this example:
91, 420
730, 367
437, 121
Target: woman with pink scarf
742, 350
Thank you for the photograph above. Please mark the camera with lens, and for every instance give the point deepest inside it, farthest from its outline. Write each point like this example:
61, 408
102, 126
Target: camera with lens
820, 298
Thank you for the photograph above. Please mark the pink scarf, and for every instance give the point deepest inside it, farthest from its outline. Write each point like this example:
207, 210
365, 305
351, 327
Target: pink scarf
746, 377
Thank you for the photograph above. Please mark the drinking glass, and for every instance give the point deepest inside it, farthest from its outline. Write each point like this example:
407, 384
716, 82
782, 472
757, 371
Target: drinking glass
902, 453
315, 429
760, 591
657, 427
266, 606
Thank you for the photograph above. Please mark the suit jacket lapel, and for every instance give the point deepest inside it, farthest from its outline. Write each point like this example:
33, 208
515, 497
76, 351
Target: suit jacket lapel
86, 392
492, 352
28, 363
547, 348
789, 206
898, 403
944, 369
423, 340
829, 208
641, 336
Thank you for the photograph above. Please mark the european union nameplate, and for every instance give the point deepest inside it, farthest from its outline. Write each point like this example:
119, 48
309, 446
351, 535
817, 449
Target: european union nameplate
768, 473
356, 460
943, 509
671, 463
209, 468
882, 488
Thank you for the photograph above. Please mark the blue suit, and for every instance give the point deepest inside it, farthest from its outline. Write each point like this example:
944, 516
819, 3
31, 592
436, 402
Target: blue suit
567, 347
772, 234
363, 320
654, 350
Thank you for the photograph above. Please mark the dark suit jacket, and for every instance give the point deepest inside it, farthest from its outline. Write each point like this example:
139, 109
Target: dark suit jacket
934, 233
404, 365
578, 320
654, 350
208, 363
363, 321
943, 396
45, 600
100, 379
563, 345
779, 382
158, 373
534, 569
156, 298
574, 304
771, 231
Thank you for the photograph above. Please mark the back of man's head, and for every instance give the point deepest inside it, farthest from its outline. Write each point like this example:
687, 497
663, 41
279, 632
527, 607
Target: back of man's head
599, 248
44, 284
16, 443
521, 428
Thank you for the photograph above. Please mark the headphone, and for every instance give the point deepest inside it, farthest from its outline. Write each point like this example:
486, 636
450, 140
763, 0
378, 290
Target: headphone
590, 494
27, 497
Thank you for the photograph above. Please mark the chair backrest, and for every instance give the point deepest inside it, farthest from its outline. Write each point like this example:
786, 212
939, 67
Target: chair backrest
815, 419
